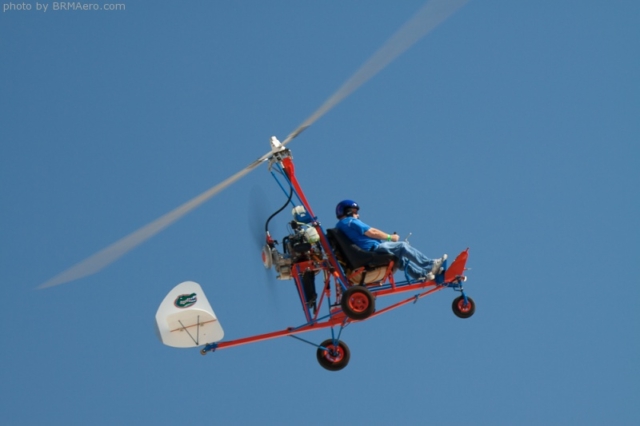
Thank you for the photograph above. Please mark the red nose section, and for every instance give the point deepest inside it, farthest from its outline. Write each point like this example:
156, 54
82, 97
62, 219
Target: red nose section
456, 269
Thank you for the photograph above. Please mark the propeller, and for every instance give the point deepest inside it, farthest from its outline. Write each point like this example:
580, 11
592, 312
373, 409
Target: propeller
424, 21
258, 212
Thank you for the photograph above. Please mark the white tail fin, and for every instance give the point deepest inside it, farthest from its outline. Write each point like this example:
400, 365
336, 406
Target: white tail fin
185, 318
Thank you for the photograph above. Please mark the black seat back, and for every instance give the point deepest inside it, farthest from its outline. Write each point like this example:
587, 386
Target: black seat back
353, 255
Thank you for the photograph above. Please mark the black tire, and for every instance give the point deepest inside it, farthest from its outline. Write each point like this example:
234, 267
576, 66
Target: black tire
461, 310
358, 303
332, 357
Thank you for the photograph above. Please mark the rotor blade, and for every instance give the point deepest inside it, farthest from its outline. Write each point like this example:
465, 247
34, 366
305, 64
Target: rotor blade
110, 254
424, 21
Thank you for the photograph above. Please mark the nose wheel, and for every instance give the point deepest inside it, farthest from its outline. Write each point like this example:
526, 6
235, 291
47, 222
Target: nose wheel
463, 306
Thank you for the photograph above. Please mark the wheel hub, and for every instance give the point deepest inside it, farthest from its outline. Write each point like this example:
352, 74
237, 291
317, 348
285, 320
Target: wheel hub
358, 302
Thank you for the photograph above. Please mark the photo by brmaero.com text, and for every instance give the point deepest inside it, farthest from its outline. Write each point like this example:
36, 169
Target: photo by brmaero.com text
58, 6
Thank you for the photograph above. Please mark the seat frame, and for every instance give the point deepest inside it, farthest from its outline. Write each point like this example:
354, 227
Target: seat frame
361, 266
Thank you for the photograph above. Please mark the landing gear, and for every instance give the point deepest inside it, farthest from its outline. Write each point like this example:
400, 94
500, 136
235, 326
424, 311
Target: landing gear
462, 309
358, 303
333, 356
209, 347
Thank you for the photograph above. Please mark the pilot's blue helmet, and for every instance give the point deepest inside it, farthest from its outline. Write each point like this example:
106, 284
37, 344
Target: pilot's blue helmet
346, 208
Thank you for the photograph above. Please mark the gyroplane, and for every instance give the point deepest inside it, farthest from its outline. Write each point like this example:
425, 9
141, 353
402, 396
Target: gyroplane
337, 283
351, 281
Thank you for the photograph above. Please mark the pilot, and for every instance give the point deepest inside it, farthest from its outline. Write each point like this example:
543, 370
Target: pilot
418, 266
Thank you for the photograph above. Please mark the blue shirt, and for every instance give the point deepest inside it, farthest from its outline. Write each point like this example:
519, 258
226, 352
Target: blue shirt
355, 229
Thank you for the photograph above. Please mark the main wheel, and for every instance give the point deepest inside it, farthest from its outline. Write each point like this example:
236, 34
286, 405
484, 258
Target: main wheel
462, 310
358, 303
333, 357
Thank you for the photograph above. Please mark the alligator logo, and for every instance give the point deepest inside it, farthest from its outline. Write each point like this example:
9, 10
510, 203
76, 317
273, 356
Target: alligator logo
185, 300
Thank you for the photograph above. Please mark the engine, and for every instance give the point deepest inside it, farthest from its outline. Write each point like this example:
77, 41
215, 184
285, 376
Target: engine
302, 243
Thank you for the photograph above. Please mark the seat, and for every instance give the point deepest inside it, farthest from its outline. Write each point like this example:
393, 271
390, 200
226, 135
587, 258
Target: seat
353, 258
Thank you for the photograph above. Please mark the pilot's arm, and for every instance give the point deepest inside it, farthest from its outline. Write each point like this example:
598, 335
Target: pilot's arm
379, 235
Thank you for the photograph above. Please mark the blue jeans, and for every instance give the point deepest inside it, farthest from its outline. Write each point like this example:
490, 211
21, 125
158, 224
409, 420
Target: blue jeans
417, 264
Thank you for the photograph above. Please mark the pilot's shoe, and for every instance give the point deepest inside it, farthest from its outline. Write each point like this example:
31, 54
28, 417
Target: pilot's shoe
429, 277
437, 264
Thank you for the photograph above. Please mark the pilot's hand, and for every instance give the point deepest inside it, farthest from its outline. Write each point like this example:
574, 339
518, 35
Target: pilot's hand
395, 237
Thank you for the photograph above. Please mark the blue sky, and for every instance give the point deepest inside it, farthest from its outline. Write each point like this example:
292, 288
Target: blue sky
511, 129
